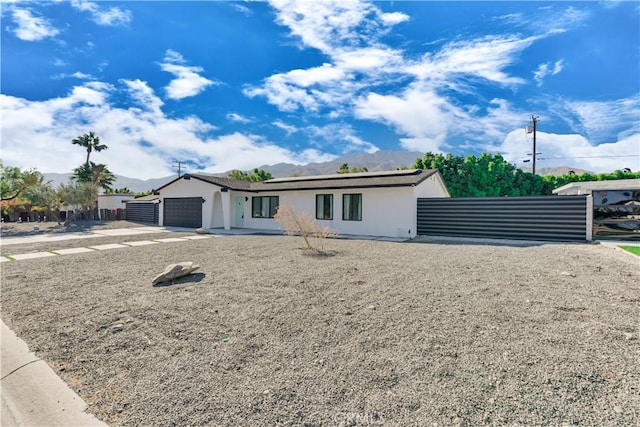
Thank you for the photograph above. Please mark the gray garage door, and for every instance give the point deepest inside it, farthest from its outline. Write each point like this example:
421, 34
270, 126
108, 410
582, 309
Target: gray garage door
183, 212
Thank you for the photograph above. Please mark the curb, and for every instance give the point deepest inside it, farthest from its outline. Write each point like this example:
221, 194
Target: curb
32, 393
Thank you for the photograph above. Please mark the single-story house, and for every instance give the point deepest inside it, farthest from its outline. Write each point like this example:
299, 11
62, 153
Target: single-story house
112, 206
370, 203
113, 201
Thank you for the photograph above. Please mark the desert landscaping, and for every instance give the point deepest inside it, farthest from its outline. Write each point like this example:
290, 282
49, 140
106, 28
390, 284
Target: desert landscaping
365, 333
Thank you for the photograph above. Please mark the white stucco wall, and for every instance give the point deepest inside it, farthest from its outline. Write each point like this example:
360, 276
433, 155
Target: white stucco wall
192, 188
385, 211
431, 187
114, 201
389, 212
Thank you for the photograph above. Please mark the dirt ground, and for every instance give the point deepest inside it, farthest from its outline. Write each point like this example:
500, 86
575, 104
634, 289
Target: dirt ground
373, 333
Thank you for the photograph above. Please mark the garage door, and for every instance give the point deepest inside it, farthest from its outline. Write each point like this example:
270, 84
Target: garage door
183, 212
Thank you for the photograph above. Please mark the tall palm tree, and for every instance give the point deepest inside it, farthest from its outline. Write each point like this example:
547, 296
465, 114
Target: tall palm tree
89, 141
96, 175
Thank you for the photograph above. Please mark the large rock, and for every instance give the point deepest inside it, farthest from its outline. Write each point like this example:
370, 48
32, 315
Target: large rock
175, 271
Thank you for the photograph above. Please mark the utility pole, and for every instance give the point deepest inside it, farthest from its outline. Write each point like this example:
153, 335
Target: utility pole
533, 129
534, 119
179, 164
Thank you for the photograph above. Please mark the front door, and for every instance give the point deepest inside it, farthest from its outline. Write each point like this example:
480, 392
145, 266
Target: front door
239, 210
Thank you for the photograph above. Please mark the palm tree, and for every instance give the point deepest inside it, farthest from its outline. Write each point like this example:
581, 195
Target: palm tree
96, 175
89, 141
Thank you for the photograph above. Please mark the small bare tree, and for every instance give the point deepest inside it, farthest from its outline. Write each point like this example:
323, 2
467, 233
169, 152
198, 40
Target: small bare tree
301, 224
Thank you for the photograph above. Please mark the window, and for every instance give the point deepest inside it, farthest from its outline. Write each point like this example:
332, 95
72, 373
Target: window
324, 206
352, 207
264, 207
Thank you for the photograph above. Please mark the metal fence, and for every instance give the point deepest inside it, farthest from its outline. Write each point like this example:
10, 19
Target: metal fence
142, 212
552, 218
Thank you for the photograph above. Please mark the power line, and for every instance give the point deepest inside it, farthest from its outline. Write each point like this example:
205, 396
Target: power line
588, 157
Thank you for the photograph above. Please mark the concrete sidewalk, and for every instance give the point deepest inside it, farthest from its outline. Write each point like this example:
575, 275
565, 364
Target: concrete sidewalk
56, 237
32, 393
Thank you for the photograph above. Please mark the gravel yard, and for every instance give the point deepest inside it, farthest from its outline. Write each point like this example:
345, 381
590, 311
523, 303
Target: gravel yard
374, 333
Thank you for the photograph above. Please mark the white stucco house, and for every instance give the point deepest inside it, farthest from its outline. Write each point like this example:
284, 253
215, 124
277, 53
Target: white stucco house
370, 203
114, 201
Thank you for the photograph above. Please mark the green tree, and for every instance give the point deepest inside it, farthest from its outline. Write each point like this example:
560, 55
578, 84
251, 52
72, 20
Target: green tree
123, 190
257, 175
90, 142
488, 175
95, 174
46, 197
81, 196
14, 181
344, 168
558, 181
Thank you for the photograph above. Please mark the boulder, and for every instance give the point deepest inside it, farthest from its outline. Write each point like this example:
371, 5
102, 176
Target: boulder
202, 230
175, 271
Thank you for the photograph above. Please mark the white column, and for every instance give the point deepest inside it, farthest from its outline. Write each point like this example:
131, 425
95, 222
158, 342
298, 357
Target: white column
226, 209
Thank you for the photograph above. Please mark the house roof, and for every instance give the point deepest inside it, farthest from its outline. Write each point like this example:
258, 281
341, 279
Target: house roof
233, 184
588, 186
398, 178
145, 199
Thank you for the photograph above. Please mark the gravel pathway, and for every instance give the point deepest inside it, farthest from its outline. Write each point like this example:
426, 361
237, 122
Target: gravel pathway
374, 333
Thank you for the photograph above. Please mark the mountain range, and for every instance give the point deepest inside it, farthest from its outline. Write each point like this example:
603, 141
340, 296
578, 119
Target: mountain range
378, 161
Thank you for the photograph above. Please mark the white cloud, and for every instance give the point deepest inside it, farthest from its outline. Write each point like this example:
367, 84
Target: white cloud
188, 82
548, 19
597, 119
323, 25
289, 129
142, 140
77, 75
572, 150
415, 113
356, 79
484, 58
242, 8
394, 18
235, 117
341, 136
103, 16
546, 69
143, 95
31, 27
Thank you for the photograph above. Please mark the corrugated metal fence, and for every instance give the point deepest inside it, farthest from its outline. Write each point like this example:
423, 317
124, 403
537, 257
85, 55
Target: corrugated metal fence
142, 212
555, 218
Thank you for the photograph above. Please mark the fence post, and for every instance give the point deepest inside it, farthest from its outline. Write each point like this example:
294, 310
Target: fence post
589, 224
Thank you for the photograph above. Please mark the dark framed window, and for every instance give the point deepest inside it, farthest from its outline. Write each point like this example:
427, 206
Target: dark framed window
352, 207
324, 206
264, 206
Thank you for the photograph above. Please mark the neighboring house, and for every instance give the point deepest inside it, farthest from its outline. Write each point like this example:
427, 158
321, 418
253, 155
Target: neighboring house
371, 203
615, 206
113, 201
112, 206
588, 187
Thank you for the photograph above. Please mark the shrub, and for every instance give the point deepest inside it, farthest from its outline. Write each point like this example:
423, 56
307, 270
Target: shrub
302, 224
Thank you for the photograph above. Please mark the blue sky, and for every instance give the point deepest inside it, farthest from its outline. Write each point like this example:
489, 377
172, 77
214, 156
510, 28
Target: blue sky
225, 85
